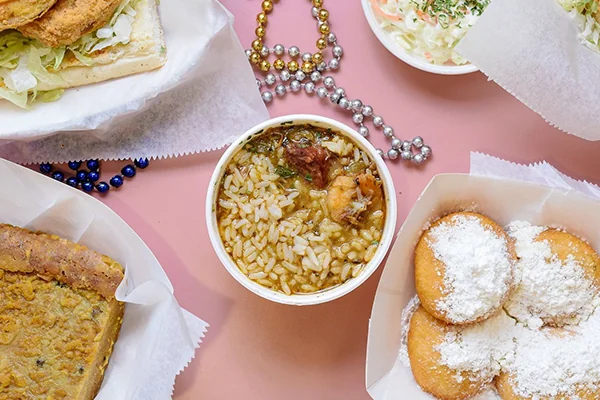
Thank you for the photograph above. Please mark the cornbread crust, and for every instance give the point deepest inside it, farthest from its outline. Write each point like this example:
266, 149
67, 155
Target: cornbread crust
58, 320
92, 384
52, 257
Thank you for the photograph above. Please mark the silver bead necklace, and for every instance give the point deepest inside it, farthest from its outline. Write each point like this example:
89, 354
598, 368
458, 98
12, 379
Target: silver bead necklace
414, 150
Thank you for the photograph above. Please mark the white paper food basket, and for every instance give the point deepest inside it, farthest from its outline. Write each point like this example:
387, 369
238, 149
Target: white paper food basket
504, 200
158, 338
192, 104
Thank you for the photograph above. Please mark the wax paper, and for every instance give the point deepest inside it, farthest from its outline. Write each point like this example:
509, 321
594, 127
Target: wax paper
204, 97
158, 338
532, 49
500, 189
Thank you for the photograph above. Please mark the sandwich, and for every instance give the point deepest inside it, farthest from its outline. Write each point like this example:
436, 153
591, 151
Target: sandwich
47, 46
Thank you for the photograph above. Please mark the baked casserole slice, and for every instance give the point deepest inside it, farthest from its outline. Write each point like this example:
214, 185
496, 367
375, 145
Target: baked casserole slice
59, 318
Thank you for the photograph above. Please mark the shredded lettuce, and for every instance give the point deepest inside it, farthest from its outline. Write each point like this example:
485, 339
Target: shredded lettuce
49, 96
586, 15
12, 46
121, 33
18, 99
58, 55
584, 7
25, 62
85, 60
117, 31
19, 79
40, 71
120, 10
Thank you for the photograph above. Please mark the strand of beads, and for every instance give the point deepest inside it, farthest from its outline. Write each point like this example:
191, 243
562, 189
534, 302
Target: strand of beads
85, 179
296, 76
414, 150
259, 52
306, 76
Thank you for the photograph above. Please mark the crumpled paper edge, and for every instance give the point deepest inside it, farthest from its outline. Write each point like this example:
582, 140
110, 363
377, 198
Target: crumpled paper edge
199, 328
527, 104
541, 173
503, 85
199, 331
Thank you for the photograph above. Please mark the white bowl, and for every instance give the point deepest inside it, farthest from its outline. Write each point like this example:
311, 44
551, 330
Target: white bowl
408, 58
327, 294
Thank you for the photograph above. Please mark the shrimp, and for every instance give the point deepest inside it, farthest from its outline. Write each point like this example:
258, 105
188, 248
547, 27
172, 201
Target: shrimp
349, 197
369, 186
340, 196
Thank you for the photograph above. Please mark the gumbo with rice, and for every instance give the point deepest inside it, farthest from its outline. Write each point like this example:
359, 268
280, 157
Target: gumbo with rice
301, 209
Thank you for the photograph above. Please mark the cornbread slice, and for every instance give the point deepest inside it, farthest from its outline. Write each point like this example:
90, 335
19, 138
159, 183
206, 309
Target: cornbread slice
59, 318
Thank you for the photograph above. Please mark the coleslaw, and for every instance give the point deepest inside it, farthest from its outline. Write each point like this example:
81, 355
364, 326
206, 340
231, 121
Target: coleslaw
586, 14
429, 29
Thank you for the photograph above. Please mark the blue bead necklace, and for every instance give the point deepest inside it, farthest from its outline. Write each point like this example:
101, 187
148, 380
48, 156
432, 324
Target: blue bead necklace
85, 179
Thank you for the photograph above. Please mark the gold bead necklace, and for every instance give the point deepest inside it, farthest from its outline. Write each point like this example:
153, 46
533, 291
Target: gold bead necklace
304, 72
259, 53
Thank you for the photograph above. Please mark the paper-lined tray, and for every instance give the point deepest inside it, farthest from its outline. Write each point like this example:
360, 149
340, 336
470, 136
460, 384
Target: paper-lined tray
202, 99
560, 203
158, 338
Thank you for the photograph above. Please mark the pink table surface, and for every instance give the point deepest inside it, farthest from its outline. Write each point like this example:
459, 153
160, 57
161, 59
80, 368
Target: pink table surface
259, 350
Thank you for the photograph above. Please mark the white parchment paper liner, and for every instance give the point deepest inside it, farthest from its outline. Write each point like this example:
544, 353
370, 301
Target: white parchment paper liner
531, 49
208, 96
505, 191
158, 338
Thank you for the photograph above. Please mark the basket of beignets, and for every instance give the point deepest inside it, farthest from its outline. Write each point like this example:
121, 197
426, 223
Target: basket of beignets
492, 291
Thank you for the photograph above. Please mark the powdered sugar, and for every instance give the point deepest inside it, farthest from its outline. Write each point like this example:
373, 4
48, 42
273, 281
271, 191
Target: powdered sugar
542, 362
548, 289
407, 314
552, 362
478, 269
484, 348
488, 394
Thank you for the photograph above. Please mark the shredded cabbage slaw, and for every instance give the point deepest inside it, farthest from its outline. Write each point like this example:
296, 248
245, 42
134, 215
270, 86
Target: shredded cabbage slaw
429, 29
24, 62
586, 15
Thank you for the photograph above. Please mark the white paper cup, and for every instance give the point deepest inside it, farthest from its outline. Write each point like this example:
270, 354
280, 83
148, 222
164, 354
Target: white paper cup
327, 294
408, 58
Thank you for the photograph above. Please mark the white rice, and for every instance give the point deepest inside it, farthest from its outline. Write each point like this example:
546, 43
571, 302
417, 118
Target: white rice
278, 243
